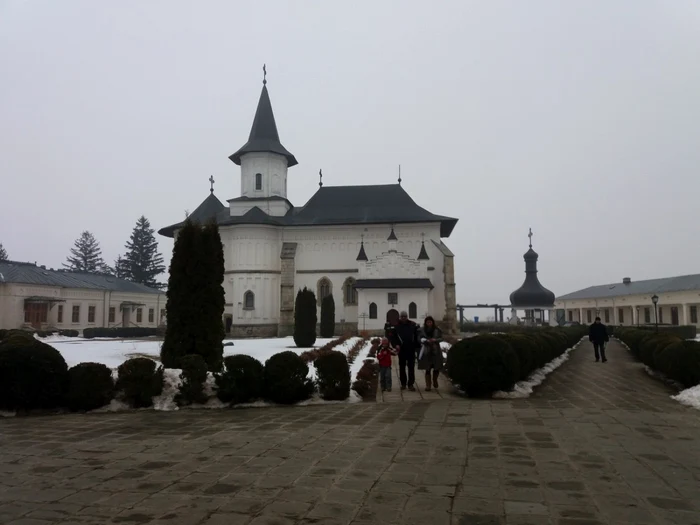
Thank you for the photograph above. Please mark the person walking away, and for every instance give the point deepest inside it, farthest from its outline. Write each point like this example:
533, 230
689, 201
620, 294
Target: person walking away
598, 335
406, 342
384, 355
430, 357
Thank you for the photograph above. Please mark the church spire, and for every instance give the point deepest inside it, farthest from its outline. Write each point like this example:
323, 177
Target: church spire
263, 134
423, 255
362, 256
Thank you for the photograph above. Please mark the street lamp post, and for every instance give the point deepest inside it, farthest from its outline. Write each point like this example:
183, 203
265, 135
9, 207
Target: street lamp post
655, 300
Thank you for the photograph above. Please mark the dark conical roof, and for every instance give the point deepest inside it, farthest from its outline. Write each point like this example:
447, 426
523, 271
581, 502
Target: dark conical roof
423, 255
392, 235
263, 135
532, 294
362, 256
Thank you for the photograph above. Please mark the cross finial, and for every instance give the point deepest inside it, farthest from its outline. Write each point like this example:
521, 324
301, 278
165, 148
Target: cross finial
211, 181
264, 75
530, 237
320, 178
399, 174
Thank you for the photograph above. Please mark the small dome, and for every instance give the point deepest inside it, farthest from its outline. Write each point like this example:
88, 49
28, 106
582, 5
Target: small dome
532, 294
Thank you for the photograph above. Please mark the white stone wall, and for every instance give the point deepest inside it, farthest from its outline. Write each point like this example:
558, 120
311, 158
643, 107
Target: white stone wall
12, 298
273, 169
380, 298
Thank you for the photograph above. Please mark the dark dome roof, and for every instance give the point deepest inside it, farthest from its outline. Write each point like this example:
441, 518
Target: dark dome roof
532, 294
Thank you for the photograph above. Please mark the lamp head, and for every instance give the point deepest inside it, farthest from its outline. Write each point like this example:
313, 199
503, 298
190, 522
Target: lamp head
654, 298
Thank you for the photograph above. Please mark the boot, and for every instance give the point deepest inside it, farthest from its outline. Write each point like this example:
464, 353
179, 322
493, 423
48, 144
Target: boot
435, 376
427, 381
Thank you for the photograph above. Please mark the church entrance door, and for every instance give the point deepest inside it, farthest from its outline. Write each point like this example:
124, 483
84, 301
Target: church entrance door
392, 317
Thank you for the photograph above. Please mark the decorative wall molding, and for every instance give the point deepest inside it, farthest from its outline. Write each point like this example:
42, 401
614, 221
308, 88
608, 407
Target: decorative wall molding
274, 272
347, 270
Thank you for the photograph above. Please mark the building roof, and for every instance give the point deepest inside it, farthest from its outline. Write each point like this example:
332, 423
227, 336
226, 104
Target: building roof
647, 287
29, 273
393, 283
263, 134
334, 205
531, 294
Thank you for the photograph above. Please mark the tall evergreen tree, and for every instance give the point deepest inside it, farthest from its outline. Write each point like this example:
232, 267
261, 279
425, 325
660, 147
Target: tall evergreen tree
182, 297
86, 255
3, 253
305, 318
121, 269
212, 270
327, 316
195, 297
142, 262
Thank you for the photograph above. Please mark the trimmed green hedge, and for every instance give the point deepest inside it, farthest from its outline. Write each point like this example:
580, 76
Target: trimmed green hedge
120, 332
487, 363
675, 357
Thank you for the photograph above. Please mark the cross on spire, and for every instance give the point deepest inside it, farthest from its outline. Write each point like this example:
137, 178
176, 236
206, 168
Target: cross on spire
211, 181
399, 174
529, 235
320, 178
264, 75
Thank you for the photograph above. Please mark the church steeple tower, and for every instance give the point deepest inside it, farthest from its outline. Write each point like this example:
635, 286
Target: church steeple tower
263, 159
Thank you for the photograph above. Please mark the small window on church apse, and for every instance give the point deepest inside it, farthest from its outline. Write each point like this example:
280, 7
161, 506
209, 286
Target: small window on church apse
350, 291
258, 181
249, 300
412, 311
324, 289
372, 310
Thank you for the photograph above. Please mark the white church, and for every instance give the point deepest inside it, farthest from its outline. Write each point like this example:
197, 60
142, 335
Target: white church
372, 247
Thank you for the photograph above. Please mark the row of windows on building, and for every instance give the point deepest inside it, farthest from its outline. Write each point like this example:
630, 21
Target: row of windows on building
647, 315
40, 312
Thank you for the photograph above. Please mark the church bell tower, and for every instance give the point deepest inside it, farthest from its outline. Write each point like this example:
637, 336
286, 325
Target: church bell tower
263, 159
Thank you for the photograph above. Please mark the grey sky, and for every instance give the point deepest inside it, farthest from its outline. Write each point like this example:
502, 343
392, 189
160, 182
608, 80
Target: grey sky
578, 119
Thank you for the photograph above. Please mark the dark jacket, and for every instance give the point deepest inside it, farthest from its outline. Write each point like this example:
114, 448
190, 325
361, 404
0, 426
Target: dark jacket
405, 335
431, 354
598, 333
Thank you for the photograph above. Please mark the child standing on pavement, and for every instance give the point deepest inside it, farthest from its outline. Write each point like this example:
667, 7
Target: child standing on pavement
384, 354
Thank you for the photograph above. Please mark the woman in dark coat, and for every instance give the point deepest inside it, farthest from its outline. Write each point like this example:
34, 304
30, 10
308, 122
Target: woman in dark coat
430, 357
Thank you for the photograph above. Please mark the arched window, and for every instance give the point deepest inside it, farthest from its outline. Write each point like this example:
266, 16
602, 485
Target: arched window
372, 310
412, 311
249, 300
324, 289
258, 181
349, 291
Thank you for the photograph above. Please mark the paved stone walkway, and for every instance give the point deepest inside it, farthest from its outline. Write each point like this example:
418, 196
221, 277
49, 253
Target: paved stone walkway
596, 444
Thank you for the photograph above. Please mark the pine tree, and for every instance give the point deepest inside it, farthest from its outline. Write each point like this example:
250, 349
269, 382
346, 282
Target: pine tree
142, 262
182, 297
327, 316
121, 268
305, 319
86, 255
210, 345
3, 253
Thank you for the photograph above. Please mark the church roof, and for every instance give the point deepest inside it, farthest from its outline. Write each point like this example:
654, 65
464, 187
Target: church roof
531, 293
331, 205
263, 134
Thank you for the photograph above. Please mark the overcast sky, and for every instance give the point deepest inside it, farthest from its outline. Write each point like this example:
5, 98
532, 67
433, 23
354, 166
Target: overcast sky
578, 119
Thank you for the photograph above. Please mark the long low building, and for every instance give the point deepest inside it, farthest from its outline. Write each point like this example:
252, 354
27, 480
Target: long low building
35, 297
630, 303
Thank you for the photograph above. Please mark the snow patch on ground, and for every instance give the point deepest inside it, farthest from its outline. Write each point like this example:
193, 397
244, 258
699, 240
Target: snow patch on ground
523, 389
359, 360
689, 397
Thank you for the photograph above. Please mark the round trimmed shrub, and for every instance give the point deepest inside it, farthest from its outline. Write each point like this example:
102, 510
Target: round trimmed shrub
653, 344
193, 376
527, 351
286, 380
241, 381
483, 364
33, 375
90, 386
333, 376
680, 361
139, 381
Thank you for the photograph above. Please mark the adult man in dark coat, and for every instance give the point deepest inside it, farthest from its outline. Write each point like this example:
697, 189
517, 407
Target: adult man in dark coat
404, 337
598, 335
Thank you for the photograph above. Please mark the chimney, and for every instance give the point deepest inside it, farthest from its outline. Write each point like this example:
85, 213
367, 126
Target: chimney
626, 280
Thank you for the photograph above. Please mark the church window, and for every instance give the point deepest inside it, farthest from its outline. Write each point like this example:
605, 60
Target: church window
249, 300
372, 310
258, 181
393, 298
412, 311
350, 291
324, 289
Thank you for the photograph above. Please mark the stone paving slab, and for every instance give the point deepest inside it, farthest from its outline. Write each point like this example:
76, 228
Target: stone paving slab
596, 444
